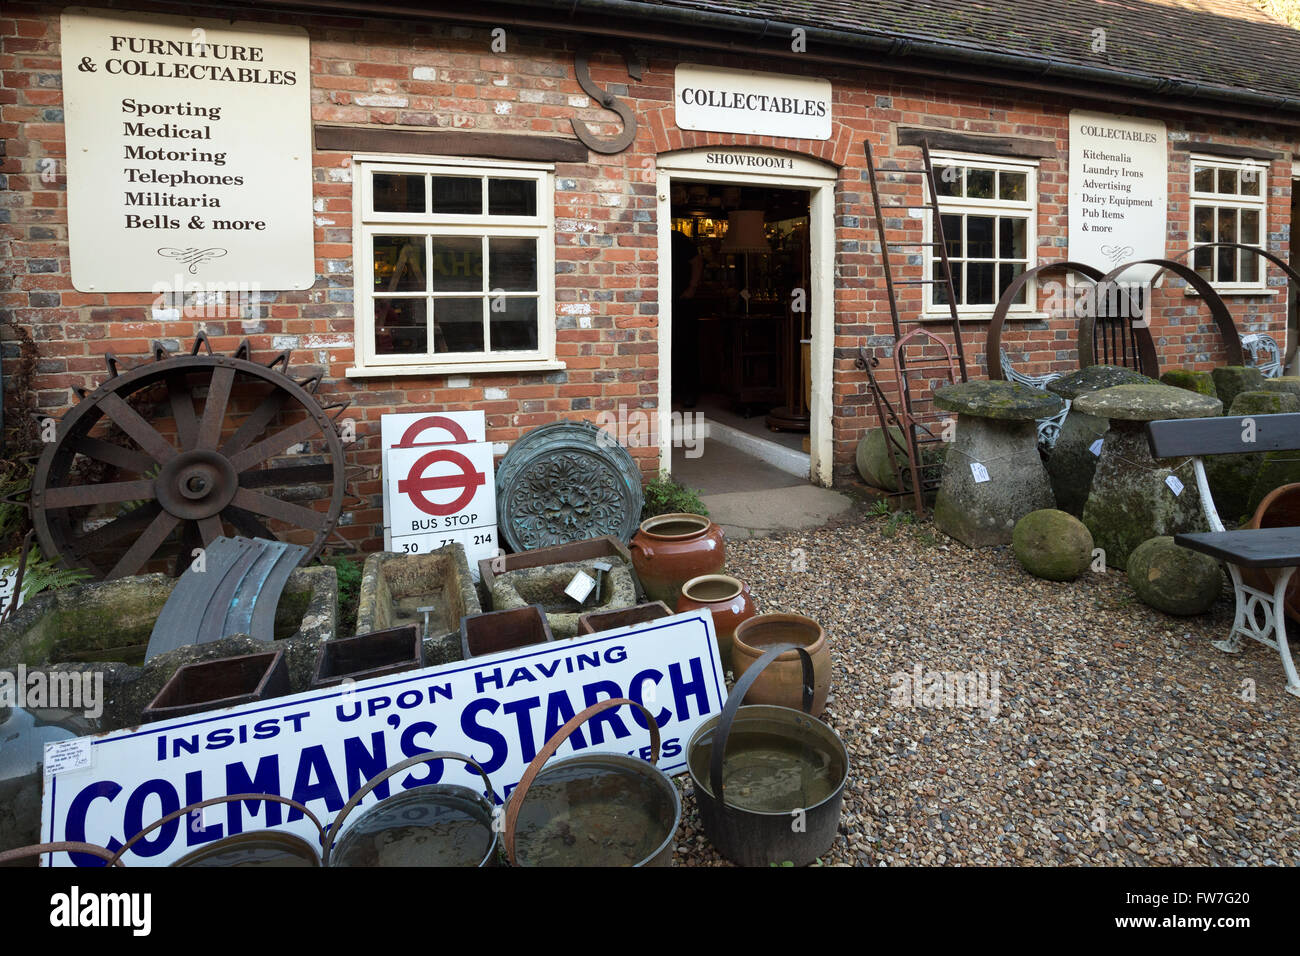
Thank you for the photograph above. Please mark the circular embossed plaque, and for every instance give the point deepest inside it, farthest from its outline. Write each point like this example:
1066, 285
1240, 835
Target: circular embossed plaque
567, 481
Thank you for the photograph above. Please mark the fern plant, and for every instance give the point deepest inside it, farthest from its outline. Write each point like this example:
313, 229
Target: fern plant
42, 574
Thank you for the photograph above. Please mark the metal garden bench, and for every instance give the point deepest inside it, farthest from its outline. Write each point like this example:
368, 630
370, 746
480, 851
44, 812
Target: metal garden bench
1274, 552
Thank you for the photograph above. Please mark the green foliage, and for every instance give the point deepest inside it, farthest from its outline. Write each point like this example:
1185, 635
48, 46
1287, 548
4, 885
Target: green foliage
666, 495
15, 479
880, 509
348, 570
897, 520
42, 574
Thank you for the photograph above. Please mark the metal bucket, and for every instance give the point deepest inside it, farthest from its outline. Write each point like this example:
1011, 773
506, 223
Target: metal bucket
769, 780
593, 809
256, 848
434, 824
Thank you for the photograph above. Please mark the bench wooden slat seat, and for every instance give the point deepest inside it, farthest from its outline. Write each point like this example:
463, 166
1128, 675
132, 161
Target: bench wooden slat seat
1260, 615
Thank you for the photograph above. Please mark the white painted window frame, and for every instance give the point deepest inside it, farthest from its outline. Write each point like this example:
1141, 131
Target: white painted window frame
1028, 209
1234, 201
366, 223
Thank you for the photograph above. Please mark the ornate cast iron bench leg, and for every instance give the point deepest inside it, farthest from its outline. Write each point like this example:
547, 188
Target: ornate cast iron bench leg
1254, 604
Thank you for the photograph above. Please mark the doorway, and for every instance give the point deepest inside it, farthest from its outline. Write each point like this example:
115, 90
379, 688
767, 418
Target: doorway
747, 354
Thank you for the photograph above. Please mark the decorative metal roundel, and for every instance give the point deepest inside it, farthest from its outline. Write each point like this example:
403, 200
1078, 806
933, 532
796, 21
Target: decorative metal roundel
564, 482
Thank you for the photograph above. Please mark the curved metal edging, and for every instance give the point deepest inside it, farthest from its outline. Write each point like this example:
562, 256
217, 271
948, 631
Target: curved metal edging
993, 345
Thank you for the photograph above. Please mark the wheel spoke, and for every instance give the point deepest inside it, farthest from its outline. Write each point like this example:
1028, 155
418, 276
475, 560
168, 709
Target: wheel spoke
141, 432
286, 475
145, 545
211, 529
123, 458
116, 529
271, 446
73, 496
214, 407
247, 523
255, 423
261, 504
182, 402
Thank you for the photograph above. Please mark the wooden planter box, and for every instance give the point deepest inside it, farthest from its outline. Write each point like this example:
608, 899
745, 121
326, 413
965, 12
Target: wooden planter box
498, 631
376, 654
226, 682
605, 546
623, 617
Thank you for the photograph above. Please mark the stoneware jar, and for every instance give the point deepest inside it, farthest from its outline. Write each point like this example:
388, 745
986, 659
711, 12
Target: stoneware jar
727, 598
671, 549
781, 683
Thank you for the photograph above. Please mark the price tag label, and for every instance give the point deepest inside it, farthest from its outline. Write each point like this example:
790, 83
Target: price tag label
64, 756
1095, 447
1174, 484
580, 586
979, 472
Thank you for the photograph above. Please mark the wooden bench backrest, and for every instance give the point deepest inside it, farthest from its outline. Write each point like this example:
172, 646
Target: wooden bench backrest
1233, 434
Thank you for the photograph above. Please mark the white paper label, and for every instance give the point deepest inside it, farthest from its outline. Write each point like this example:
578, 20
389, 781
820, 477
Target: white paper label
1174, 484
1095, 447
979, 471
580, 586
64, 756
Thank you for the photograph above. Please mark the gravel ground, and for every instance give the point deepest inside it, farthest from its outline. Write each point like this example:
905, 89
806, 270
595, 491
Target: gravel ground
1121, 738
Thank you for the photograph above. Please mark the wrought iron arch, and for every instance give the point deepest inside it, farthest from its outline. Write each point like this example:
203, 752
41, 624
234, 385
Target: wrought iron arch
993, 347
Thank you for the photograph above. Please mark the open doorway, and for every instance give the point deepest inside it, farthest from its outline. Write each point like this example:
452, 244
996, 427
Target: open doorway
741, 333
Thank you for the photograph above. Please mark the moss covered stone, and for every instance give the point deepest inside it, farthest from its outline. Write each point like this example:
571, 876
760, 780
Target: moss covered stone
1200, 382
1233, 477
873, 458
1287, 383
1231, 380
1147, 403
1096, 377
1052, 544
1005, 401
1174, 579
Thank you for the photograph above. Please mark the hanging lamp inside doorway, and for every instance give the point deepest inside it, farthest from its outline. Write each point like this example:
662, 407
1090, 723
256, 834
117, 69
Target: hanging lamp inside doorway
745, 232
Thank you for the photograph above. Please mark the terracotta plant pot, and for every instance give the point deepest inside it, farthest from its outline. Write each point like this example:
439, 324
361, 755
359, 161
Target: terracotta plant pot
728, 599
597, 621
1279, 509
782, 683
671, 549
495, 631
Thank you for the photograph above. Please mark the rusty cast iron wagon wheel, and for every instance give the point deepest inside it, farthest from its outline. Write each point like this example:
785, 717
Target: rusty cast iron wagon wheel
167, 456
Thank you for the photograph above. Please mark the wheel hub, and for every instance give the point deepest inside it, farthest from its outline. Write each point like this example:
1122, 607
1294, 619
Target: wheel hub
196, 484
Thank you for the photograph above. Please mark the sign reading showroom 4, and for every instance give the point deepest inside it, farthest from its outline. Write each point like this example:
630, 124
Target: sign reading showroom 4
741, 101
189, 153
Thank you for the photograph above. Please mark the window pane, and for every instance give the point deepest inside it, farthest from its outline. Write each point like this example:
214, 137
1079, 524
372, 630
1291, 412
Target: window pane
457, 264
1007, 273
1250, 227
1203, 180
1013, 186
512, 197
1012, 238
400, 326
512, 264
1249, 266
1203, 223
947, 180
458, 324
457, 195
951, 236
514, 325
979, 237
1203, 262
979, 283
1227, 180
1227, 225
397, 192
1227, 263
1250, 177
399, 264
940, 287
979, 183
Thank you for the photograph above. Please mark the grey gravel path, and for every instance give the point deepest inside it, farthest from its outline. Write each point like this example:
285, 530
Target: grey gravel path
1121, 736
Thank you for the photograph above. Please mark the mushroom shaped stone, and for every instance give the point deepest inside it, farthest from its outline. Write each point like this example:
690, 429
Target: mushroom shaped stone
1003, 401
1147, 403
1094, 378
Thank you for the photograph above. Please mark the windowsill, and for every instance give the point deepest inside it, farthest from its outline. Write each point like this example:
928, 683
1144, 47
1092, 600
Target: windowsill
1258, 293
468, 368
986, 316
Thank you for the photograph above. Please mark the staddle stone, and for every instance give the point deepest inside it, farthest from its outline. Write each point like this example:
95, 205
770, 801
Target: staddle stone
1287, 383
1003, 401
1147, 403
1072, 461
1193, 381
1233, 477
1230, 380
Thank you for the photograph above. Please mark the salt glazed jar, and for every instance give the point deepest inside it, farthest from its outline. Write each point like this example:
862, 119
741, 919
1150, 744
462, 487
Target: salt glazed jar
727, 599
670, 549
781, 683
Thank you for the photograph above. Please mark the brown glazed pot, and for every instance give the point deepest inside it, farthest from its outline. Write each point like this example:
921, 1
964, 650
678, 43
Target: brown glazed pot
782, 683
671, 549
1279, 509
728, 599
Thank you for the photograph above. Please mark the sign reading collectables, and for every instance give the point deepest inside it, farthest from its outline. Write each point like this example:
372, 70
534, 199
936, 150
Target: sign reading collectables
743, 101
318, 747
1119, 181
440, 495
189, 153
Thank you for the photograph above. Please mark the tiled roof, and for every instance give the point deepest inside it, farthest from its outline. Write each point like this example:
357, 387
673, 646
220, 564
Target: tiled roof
1227, 43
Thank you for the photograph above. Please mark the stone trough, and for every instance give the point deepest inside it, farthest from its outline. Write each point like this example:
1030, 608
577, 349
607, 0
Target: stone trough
545, 586
396, 587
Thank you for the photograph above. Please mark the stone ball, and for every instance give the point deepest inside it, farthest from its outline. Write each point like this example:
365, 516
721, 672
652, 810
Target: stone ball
1174, 579
1052, 544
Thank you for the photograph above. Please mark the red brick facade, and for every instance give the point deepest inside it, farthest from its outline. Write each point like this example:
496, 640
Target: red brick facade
385, 73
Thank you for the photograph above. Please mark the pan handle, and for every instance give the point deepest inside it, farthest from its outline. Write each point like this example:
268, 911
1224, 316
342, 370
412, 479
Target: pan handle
738, 692
383, 775
61, 846
552, 745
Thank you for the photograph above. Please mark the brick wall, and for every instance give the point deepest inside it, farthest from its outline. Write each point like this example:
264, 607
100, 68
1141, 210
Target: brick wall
391, 74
